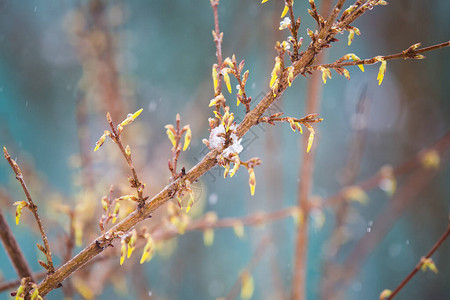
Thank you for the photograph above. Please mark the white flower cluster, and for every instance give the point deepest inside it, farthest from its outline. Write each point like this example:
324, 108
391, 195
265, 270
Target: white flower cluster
285, 23
216, 140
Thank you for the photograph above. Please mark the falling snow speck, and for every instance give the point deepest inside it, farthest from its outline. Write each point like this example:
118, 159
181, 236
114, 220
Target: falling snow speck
369, 226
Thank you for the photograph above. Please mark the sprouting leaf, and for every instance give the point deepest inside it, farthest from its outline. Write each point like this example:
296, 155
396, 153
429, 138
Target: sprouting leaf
148, 250
132, 243
237, 164
248, 285
130, 118
251, 180
187, 137
190, 202
381, 72
208, 237
19, 292
385, 293
285, 10
264, 1
356, 58
357, 194
100, 142
310, 138
123, 251
215, 75
115, 214
428, 264
325, 73
226, 78
20, 206
290, 75
351, 35
431, 159
171, 134
128, 150
238, 229
297, 216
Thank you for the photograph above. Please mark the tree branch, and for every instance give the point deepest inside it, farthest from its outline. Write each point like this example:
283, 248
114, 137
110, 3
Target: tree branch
421, 262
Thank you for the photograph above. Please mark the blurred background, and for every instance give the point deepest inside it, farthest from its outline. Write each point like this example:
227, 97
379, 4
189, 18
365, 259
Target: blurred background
64, 64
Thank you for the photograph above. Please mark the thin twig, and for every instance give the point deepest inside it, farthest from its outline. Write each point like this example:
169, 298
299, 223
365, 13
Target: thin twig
33, 208
298, 285
135, 182
11, 284
262, 247
13, 250
421, 262
406, 54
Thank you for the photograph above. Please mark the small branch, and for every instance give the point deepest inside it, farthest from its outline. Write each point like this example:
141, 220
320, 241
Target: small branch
419, 265
218, 36
256, 258
410, 53
33, 208
135, 182
13, 250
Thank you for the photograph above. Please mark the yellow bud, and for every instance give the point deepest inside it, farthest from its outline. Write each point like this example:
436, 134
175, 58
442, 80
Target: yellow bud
428, 264
355, 193
238, 229
290, 75
100, 142
285, 10
171, 134
385, 293
208, 237
20, 206
227, 169
226, 78
123, 251
147, 254
356, 58
132, 242
351, 35
381, 72
252, 180
247, 284
264, 1
431, 159
237, 164
311, 138
115, 214
187, 138
128, 150
190, 202
105, 203
215, 76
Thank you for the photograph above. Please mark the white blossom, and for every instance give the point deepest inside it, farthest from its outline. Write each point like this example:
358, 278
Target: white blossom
216, 140
285, 23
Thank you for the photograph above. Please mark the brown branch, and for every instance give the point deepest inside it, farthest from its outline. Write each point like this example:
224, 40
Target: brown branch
33, 208
402, 199
13, 250
440, 146
256, 258
410, 53
298, 285
421, 262
218, 36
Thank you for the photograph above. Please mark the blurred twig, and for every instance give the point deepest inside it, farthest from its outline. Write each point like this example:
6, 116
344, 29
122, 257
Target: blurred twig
13, 250
421, 262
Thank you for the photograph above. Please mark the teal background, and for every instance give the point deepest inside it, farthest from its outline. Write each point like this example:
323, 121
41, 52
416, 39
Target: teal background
166, 52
